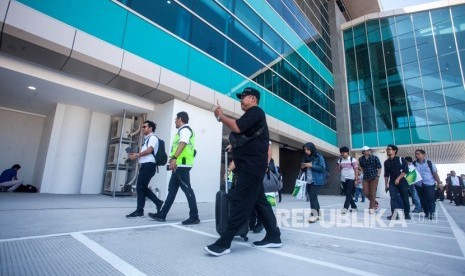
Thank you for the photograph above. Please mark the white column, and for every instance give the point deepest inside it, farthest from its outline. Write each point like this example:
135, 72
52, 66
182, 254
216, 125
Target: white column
205, 175
68, 137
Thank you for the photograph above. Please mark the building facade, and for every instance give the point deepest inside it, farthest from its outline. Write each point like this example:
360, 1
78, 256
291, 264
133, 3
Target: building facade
91, 60
405, 77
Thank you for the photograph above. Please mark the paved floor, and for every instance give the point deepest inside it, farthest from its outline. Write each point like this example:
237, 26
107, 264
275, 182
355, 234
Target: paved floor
43, 234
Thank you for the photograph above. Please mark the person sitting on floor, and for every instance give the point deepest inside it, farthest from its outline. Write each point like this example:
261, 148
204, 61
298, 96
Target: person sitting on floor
9, 178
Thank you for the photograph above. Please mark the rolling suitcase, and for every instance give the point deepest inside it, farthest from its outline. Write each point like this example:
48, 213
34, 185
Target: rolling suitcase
222, 208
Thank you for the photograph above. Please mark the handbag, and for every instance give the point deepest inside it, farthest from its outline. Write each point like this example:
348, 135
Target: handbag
271, 183
413, 176
299, 188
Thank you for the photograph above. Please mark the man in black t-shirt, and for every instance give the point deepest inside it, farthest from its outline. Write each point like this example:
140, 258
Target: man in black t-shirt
250, 148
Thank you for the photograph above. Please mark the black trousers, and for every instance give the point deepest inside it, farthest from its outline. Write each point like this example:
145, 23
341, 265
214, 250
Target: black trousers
312, 191
402, 189
457, 195
245, 197
146, 172
349, 189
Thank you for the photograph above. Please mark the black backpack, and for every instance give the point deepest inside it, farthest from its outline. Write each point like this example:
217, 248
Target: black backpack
161, 158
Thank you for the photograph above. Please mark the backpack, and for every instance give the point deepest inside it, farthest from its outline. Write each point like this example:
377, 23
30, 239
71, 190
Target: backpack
161, 158
430, 165
351, 162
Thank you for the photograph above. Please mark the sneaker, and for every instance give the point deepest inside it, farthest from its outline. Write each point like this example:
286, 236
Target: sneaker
135, 214
354, 210
313, 219
159, 205
371, 211
190, 221
157, 217
265, 243
217, 250
344, 211
416, 211
407, 217
392, 218
258, 228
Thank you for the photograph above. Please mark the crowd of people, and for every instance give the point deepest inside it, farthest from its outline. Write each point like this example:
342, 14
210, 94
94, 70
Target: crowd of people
250, 144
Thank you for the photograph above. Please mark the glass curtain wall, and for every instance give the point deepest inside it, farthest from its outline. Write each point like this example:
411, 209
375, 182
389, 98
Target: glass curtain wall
405, 78
231, 32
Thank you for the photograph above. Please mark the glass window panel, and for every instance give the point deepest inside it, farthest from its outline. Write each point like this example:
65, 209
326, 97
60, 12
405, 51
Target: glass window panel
355, 119
409, 55
243, 62
456, 113
429, 66
450, 70
440, 15
455, 95
212, 13
207, 39
406, 40
246, 39
411, 70
383, 122
248, 16
421, 20
425, 46
272, 38
445, 44
458, 11
374, 34
404, 24
413, 86
418, 117
434, 99
431, 82
437, 115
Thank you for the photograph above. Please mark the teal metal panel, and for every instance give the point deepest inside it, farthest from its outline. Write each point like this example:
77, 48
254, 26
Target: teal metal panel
144, 39
420, 135
357, 140
384, 137
402, 136
440, 133
208, 71
370, 137
458, 131
100, 18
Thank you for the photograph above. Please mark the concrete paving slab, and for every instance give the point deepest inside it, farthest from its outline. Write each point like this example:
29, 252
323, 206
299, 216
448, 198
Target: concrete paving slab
43, 234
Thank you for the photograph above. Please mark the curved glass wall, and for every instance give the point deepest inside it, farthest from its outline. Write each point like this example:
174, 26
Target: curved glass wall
405, 78
232, 32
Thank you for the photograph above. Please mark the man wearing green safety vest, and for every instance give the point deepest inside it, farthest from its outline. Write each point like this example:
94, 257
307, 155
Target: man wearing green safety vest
180, 163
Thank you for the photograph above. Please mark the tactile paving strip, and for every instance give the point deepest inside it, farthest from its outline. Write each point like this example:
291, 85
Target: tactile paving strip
61, 255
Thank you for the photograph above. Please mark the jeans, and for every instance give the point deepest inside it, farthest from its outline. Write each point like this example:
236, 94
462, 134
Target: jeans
415, 198
146, 172
349, 188
427, 195
180, 178
245, 197
358, 192
312, 191
397, 192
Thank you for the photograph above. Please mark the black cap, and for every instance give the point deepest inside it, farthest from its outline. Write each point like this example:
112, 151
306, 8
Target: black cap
249, 91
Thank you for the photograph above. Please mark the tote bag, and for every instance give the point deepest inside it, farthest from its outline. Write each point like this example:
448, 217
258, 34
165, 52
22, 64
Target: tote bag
299, 188
271, 182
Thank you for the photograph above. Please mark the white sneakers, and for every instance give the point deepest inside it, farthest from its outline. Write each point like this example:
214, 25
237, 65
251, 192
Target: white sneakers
313, 219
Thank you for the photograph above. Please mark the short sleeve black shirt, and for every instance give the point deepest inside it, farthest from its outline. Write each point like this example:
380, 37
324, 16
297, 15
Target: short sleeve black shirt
253, 156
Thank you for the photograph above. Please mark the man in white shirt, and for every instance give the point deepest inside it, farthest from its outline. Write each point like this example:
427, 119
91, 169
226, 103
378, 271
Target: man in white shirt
456, 185
147, 169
